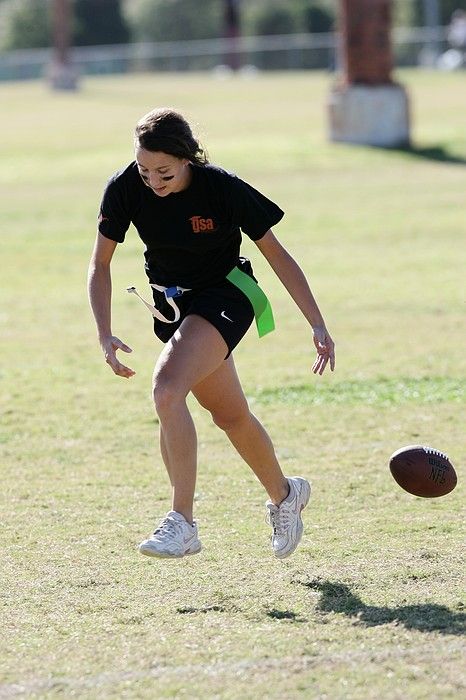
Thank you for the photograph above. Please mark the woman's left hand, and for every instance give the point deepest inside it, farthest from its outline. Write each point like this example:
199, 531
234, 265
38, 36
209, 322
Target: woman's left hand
325, 350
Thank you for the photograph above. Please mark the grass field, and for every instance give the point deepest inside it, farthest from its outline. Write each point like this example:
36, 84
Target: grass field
372, 604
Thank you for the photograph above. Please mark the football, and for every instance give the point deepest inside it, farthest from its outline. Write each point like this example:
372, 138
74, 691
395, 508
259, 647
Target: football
423, 471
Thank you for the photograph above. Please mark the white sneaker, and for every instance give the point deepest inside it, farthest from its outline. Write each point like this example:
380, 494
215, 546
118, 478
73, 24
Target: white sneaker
173, 538
286, 518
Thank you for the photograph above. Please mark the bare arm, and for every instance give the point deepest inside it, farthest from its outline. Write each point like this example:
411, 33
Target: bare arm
100, 296
294, 281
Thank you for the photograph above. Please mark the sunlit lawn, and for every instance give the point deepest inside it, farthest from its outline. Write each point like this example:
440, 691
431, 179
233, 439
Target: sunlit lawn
372, 604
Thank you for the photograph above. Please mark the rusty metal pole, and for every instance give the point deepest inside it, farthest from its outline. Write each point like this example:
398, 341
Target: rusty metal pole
366, 106
61, 74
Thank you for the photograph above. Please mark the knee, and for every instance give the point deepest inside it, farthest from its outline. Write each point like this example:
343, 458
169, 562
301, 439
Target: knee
166, 396
230, 420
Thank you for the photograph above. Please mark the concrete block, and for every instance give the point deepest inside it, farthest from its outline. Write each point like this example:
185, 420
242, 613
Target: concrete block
371, 115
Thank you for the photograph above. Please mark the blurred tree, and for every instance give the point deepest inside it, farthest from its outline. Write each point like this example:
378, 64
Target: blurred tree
275, 20
288, 16
99, 22
232, 17
447, 7
411, 13
176, 20
317, 18
402, 13
232, 30
61, 74
26, 25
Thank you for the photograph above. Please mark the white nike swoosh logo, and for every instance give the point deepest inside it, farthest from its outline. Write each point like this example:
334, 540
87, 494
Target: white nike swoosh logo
223, 315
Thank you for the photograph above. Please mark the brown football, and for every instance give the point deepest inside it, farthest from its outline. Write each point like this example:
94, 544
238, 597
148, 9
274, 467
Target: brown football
423, 471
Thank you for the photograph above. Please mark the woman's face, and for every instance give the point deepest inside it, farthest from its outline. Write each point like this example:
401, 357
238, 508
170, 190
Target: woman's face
161, 172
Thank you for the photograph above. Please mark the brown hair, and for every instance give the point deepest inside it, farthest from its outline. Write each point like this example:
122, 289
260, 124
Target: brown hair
168, 131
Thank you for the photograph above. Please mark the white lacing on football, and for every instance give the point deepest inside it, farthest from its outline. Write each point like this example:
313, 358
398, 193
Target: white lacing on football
431, 451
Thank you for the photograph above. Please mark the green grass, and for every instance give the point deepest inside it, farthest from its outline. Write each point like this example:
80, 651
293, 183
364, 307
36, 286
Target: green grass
372, 605
381, 392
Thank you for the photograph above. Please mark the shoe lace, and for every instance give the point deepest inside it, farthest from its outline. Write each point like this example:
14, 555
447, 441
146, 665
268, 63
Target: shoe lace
168, 525
278, 518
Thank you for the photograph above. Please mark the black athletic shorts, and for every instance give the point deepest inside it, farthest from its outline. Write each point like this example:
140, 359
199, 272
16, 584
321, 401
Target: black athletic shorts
225, 306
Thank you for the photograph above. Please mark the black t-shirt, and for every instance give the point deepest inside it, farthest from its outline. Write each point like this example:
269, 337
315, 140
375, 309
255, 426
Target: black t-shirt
192, 237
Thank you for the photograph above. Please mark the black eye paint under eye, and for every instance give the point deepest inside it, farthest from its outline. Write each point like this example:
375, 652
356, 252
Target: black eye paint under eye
168, 177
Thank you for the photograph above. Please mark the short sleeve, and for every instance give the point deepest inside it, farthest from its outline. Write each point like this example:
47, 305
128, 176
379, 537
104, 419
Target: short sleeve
254, 213
114, 216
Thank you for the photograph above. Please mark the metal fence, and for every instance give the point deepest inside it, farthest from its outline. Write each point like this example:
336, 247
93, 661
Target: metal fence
411, 46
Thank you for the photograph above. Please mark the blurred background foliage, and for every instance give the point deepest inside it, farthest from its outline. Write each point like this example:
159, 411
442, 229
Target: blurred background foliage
26, 23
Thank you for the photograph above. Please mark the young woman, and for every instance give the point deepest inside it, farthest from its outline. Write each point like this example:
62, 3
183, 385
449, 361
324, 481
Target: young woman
190, 215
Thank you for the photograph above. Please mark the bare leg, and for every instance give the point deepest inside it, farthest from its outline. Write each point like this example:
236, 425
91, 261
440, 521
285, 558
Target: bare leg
164, 453
196, 350
221, 393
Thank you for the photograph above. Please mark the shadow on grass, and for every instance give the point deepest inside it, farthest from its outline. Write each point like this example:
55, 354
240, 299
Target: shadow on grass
434, 153
428, 617
205, 609
284, 615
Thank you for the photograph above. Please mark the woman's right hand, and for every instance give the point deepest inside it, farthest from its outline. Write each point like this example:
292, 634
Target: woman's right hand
109, 346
